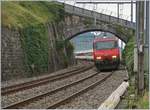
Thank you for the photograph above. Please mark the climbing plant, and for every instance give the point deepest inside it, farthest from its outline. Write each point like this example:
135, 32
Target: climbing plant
128, 54
35, 45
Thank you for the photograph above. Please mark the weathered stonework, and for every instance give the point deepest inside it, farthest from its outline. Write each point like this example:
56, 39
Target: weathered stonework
75, 25
56, 33
11, 55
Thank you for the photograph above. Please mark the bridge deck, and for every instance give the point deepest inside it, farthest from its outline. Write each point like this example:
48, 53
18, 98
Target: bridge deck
99, 16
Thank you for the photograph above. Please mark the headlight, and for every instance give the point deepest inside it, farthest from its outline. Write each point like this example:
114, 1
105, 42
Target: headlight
99, 58
114, 56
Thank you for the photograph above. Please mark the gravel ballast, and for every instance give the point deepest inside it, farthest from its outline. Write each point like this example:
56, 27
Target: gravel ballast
21, 95
18, 81
92, 99
51, 99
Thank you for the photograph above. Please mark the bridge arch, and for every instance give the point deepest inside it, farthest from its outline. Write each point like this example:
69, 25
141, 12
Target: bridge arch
76, 24
71, 33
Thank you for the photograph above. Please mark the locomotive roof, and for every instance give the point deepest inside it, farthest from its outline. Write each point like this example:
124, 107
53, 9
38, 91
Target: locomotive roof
105, 39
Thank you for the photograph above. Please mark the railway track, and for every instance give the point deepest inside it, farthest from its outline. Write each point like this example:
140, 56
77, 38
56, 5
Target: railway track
62, 101
41, 81
30, 100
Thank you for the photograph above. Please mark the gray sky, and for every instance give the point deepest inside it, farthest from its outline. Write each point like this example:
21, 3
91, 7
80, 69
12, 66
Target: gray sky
109, 9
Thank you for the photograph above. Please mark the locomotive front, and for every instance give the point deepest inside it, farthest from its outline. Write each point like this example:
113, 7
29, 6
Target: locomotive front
106, 53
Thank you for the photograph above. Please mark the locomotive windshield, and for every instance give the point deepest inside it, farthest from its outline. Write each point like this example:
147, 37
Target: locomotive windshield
105, 45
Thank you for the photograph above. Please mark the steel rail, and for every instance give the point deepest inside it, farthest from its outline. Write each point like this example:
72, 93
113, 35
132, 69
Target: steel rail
42, 81
37, 97
60, 102
12, 86
24, 83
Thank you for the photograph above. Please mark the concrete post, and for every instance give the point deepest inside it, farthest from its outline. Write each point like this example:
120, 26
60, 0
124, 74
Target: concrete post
140, 45
147, 43
147, 28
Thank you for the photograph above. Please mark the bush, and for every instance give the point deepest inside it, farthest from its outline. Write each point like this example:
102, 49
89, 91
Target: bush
128, 54
35, 45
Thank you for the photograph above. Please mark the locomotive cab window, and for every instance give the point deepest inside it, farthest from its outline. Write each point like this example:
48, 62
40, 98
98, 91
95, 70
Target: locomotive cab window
105, 45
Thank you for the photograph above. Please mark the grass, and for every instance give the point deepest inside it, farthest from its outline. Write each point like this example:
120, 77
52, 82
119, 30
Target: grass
143, 102
25, 13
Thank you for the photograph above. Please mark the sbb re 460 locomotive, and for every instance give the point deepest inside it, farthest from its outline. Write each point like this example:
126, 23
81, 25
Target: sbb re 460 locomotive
106, 53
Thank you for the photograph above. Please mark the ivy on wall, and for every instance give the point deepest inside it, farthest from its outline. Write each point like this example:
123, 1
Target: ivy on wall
60, 46
30, 18
35, 45
128, 54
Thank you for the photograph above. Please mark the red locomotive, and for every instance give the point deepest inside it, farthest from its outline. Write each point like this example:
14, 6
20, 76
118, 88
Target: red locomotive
106, 53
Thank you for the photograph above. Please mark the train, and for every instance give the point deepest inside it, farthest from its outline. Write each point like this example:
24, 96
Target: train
106, 53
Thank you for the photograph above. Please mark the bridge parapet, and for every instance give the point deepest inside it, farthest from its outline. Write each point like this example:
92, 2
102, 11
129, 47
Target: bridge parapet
99, 16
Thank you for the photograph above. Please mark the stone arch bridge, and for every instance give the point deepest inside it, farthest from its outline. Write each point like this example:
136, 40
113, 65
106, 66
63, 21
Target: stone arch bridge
79, 20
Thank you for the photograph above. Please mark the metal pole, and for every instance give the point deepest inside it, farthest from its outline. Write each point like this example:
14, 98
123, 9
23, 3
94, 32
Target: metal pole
100, 2
121, 11
118, 10
140, 45
131, 11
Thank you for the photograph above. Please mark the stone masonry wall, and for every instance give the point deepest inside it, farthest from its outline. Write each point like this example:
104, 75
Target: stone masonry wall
12, 65
13, 55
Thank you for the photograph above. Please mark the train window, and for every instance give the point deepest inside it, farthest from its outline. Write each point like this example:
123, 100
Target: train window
105, 45
116, 44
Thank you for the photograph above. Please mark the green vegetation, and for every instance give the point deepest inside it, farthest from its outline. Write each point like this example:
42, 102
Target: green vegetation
31, 19
128, 52
69, 47
128, 55
35, 45
136, 101
60, 45
26, 13
88, 22
143, 102
139, 102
